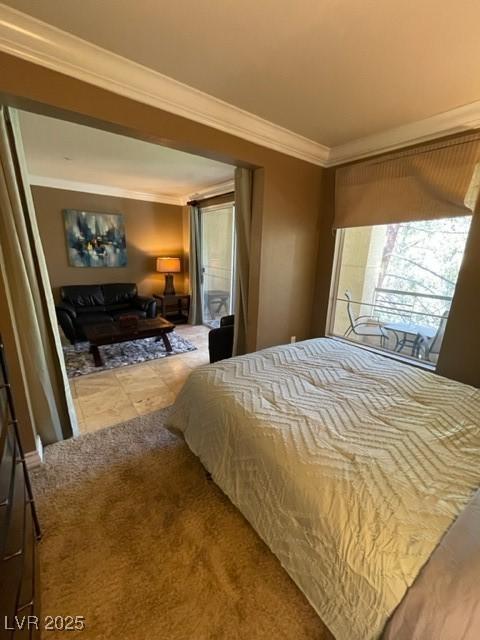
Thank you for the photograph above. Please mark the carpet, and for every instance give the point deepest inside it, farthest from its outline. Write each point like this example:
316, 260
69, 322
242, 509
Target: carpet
139, 541
79, 361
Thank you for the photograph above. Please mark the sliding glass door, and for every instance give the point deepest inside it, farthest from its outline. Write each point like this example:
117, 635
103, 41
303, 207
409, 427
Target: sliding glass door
218, 258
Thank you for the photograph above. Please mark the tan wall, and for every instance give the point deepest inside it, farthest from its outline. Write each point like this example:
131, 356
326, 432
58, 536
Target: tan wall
325, 259
152, 229
289, 244
460, 355
287, 193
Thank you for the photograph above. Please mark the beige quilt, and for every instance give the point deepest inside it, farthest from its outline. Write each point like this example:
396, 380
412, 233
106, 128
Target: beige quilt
349, 465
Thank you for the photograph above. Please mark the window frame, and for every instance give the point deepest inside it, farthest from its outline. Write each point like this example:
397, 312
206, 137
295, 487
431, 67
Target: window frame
332, 303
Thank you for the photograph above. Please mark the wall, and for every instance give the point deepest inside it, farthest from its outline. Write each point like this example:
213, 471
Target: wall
325, 256
152, 229
460, 355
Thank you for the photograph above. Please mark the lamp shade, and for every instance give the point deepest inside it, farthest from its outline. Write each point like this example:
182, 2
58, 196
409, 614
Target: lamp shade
168, 265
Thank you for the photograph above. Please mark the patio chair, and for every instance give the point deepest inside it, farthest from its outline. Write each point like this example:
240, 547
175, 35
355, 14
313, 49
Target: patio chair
429, 347
367, 326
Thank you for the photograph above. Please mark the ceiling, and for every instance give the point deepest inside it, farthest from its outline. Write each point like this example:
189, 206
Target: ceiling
331, 70
69, 155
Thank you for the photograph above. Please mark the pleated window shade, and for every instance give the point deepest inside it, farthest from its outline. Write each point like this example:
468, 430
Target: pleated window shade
439, 180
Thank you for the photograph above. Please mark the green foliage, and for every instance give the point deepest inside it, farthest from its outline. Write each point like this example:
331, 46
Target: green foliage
425, 258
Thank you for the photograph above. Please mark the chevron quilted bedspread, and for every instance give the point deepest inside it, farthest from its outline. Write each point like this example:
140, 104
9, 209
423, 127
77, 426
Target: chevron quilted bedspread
349, 465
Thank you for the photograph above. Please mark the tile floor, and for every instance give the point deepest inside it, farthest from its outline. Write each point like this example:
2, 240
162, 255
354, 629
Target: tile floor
106, 398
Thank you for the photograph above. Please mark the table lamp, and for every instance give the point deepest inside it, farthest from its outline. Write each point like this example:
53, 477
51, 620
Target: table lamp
168, 266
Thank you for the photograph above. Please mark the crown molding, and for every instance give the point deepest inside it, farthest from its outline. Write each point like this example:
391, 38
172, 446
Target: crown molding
212, 191
105, 190
450, 122
26, 37
30, 39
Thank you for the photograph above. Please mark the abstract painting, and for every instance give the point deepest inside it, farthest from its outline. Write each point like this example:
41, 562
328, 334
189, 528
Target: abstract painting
95, 239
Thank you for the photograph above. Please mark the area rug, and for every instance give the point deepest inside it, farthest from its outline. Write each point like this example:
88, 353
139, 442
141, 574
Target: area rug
79, 360
141, 543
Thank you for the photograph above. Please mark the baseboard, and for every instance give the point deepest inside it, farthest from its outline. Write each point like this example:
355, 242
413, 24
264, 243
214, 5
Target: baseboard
35, 458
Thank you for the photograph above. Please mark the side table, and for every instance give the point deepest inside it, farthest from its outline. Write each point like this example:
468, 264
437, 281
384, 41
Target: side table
174, 308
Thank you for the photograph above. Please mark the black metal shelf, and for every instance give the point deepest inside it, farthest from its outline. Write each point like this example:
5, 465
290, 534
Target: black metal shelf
19, 524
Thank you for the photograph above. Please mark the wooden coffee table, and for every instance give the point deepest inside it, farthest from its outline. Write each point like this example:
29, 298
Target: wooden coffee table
111, 333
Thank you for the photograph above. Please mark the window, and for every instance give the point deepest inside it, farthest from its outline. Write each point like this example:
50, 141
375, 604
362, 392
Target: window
394, 284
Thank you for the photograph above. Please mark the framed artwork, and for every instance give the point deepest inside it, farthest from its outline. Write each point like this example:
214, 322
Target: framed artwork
95, 239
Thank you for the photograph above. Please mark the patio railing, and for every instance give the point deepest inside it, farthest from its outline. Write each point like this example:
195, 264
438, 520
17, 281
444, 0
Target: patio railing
408, 306
390, 306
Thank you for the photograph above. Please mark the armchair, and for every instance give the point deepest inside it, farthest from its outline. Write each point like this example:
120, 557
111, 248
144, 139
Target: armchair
220, 341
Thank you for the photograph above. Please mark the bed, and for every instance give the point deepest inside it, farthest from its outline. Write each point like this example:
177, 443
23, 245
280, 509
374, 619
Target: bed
351, 466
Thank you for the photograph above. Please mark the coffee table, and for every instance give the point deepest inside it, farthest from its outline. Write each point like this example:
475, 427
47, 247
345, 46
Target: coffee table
111, 333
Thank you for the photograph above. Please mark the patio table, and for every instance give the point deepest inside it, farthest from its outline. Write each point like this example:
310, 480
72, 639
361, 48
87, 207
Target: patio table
404, 329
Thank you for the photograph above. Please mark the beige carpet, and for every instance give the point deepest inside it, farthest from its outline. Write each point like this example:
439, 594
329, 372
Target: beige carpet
141, 543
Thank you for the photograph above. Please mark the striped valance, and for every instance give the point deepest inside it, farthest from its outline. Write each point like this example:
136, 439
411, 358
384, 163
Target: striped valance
437, 180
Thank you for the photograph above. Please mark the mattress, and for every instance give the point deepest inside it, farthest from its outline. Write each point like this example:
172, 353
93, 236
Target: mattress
350, 466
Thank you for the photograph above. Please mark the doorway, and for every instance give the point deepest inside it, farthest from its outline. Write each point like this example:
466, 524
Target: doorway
217, 238
89, 185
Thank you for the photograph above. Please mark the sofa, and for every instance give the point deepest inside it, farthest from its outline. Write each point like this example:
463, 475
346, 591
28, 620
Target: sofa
99, 303
220, 341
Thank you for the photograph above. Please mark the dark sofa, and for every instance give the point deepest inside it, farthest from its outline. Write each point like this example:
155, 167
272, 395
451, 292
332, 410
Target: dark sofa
100, 303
